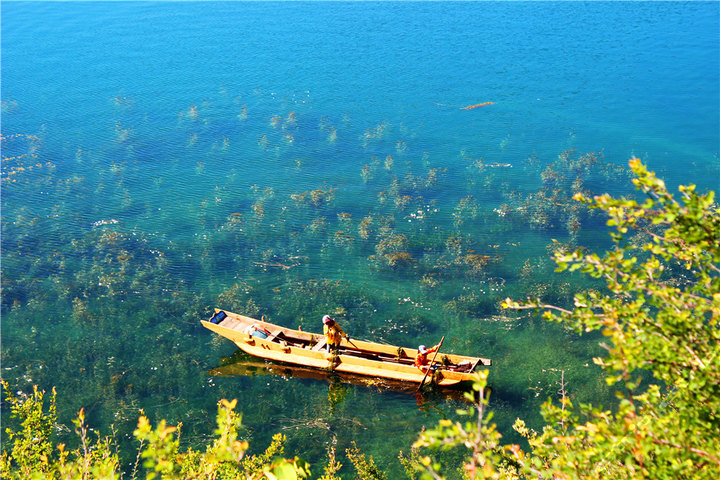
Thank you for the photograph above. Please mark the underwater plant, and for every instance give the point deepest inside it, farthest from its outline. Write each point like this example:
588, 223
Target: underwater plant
332, 135
317, 198
373, 134
20, 156
122, 134
366, 173
343, 238
365, 227
243, 115
344, 217
388, 163
317, 225
467, 209
263, 142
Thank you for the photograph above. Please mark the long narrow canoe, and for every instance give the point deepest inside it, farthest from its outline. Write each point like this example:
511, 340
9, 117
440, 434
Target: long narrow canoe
357, 357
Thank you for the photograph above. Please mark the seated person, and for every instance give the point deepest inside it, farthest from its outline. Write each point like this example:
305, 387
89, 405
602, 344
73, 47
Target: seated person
257, 331
421, 359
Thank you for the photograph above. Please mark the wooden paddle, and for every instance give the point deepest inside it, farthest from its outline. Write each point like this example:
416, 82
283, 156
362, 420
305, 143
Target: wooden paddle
430, 364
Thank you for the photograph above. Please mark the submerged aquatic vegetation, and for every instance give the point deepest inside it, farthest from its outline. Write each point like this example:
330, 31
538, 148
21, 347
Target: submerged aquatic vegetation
372, 135
467, 209
476, 263
263, 142
343, 238
365, 227
332, 135
317, 225
243, 115
388, 163
20, 156
130, 244
551, 206
122, 134
344, 217
316, 198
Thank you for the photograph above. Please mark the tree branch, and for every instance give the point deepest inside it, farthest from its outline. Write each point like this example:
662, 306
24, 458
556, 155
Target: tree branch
702, 453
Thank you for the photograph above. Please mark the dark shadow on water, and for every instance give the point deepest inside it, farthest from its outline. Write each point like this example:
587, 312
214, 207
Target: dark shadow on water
242, 364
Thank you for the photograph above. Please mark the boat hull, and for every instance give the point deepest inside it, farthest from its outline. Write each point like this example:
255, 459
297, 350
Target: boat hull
355, 357
242, 364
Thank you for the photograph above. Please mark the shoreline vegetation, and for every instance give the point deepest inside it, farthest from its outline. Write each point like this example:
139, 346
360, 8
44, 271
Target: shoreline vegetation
658, 309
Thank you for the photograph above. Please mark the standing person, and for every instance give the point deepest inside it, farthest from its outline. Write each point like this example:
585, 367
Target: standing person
333, 333
421, 359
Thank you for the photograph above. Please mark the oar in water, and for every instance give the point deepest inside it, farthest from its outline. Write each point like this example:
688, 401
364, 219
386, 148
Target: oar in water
431, 363
347, 338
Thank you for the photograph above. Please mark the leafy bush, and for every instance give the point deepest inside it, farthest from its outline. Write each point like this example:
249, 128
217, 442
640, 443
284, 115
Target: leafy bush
33, 455
660, 312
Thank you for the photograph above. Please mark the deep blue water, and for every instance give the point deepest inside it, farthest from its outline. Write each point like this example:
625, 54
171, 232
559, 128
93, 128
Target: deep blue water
133, 133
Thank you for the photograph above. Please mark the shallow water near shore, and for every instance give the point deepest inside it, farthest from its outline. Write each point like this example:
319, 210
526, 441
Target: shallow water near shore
296, 159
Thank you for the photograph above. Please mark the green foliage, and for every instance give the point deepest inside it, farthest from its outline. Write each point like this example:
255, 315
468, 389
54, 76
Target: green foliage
161, 449
660, 312
411, 463
332, 467
364, 466
224, 459
32, 455
31, 444
480, 437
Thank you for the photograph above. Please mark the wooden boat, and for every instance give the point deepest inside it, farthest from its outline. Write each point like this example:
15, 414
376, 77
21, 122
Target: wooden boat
273, 342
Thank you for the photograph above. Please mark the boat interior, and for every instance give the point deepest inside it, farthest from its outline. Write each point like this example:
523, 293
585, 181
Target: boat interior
316, 342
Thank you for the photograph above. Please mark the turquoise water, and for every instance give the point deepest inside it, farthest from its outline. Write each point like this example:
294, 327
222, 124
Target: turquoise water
295, 159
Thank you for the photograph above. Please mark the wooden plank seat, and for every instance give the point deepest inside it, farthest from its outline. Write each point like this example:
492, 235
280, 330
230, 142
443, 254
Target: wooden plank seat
319, 345
273, 335
278, 336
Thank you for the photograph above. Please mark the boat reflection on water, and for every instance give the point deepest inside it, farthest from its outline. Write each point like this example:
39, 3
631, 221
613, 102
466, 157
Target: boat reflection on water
242, 364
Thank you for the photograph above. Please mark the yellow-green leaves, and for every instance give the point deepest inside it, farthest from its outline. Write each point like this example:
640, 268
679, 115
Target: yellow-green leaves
478, 437
32, 455
31, 444
660, 312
